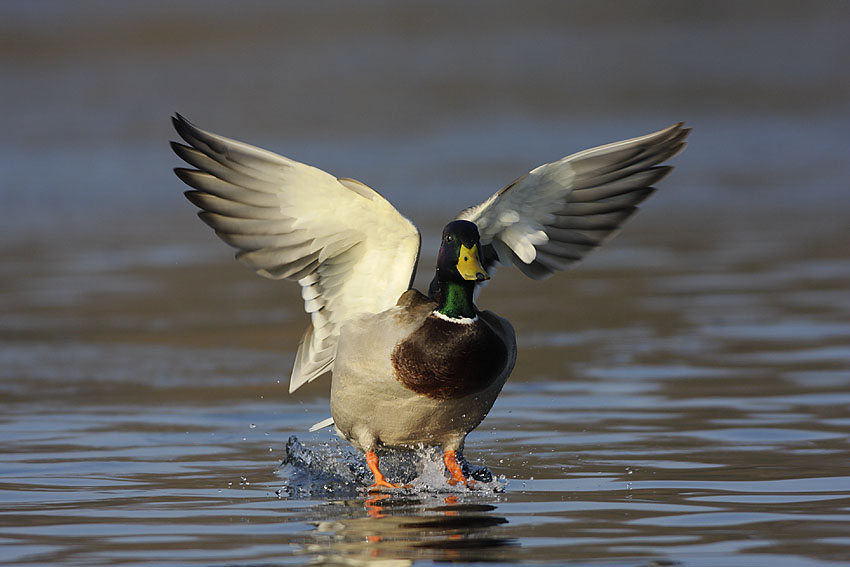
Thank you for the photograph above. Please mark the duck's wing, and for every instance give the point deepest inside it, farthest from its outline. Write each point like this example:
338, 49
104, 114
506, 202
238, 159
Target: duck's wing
553, 216
348, 248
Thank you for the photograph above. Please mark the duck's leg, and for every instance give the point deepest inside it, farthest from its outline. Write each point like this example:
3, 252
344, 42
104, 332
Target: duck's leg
380, 481
454, 468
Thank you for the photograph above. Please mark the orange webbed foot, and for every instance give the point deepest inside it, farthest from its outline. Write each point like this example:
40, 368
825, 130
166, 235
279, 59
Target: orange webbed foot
455, 470
380, 481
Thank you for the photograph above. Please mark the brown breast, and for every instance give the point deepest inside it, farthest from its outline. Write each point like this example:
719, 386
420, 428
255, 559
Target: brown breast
445, 360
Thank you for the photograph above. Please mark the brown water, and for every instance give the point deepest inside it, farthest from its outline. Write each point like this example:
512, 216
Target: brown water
681, 398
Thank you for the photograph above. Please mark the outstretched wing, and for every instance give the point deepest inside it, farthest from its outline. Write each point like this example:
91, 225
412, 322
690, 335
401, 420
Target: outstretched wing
557, 213
348, 248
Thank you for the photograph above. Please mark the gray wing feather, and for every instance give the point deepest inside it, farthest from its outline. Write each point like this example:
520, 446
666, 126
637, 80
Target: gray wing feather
556, 214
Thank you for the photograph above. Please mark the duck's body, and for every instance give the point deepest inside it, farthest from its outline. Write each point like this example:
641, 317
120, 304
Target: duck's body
399, 393
410, 369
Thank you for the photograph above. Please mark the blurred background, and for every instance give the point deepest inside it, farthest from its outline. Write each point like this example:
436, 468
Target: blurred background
436, 104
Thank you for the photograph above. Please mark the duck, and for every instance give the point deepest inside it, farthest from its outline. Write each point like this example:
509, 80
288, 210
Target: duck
407, 368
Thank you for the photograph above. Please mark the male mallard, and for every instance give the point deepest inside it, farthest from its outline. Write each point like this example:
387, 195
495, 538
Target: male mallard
409, 369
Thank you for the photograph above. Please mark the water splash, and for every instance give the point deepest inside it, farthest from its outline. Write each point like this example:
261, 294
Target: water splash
336, 471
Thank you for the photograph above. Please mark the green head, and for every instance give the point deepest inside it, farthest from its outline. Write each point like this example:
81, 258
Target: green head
459, 267
459, 259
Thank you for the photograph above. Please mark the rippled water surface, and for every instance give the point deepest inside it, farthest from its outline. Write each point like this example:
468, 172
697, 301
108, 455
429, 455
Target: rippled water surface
680, 398
674, 401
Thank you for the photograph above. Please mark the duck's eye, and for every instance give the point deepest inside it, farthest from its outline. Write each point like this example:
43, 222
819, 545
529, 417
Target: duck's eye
450, 238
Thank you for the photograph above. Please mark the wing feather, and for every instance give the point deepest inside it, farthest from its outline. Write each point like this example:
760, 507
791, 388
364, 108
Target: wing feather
348, 248
230, 208
208, 183
556, 214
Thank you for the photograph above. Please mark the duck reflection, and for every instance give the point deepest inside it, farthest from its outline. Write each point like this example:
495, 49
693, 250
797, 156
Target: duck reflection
398, 529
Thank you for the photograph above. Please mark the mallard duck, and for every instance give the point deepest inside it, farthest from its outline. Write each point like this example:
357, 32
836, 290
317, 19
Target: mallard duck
409, 368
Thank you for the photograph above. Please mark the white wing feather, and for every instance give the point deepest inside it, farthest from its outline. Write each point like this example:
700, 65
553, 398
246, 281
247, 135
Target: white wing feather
557, 213
348, 248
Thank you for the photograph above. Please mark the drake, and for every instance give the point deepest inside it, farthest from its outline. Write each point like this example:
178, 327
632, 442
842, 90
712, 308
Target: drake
409, 369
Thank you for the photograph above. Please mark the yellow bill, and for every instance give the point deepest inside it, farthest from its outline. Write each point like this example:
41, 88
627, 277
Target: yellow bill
469, 264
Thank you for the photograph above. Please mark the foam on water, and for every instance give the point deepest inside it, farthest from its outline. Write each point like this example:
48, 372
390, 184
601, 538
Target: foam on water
336, 471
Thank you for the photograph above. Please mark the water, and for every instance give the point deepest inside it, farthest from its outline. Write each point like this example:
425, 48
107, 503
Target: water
680, 398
